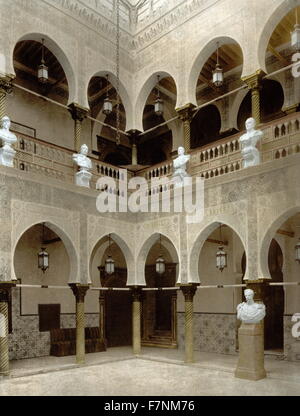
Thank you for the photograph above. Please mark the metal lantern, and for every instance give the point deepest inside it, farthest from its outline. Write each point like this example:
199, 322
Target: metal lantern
160, 266
109, 265
43, 260
295, 37
221, 255
221, 259
159, 107
107, 105
158, 103
109, 262
218, 76
297, 252
42, 68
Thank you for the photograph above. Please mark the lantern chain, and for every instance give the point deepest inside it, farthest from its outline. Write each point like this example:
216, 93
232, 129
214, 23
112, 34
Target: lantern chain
118, 72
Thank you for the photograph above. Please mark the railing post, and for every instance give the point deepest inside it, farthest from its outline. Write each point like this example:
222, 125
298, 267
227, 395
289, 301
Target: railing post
186, 114
78, 114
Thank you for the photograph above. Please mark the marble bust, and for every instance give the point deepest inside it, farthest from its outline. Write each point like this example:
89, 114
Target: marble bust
250, 312
179, 167
7, 153
248, 142
83, 177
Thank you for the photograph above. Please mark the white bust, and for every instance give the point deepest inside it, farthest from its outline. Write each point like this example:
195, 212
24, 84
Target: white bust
248, 141
8, 138
250, 312
83, 162
179, 165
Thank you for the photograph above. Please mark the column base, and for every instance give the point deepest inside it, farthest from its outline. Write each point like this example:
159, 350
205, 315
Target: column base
251, 352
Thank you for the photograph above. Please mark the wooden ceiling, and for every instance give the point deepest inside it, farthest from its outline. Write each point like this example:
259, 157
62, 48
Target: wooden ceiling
27, 58
282, 33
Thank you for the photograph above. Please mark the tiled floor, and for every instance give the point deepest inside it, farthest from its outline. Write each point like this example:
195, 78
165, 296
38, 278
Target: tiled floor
118, 372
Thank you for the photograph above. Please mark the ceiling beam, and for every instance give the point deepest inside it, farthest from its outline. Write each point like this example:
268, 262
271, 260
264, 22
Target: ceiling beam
278, 55
286, 233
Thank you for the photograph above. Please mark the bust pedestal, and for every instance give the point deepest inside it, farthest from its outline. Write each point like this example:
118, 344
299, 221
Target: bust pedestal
251, 352
7, 154
82, 178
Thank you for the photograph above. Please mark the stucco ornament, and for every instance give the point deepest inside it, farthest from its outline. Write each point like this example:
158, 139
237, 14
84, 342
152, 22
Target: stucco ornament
248, 142
7, 153
250, 312
83, 177
179, 167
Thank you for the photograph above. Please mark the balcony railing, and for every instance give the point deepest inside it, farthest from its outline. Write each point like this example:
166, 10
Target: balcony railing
281, 138
37, 156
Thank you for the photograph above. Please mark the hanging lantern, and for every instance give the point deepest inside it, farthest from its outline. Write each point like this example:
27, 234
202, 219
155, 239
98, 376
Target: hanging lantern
159, 107
43, 69
221, 255
160, 266
107, 105
158, 103
218, 76
43, 256
109, 262
297, 252
295, 35
109, 265
43, 260
221, 259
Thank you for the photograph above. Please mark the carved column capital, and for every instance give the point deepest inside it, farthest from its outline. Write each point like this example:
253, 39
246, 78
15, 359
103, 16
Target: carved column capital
136, 292
185, 113
5, 288
79, 291
253, 81
133, 135
189, 292
6, 85
77, 112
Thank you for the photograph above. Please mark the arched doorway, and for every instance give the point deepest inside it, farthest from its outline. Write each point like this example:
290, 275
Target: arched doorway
274, 300
115, 307
159, 307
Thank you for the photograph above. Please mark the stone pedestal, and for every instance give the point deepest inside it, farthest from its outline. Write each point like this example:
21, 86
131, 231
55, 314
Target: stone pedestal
251, 352
7, 154
82, 178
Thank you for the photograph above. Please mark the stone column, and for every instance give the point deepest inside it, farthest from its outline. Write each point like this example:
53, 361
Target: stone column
254, 84
133, 137
79, 291
174, 318
136, 319
5, 88
5, 288
78, 114
102, 316
189, 292
185, 114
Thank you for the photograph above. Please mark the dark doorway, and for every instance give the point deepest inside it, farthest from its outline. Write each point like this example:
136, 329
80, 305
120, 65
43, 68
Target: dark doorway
117, 310
159, 309
274, 300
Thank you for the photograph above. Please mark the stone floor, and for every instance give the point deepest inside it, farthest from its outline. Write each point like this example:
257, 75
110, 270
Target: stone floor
156, 372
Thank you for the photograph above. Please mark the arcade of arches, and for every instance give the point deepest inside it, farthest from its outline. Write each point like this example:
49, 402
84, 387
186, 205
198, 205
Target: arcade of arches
75, 306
